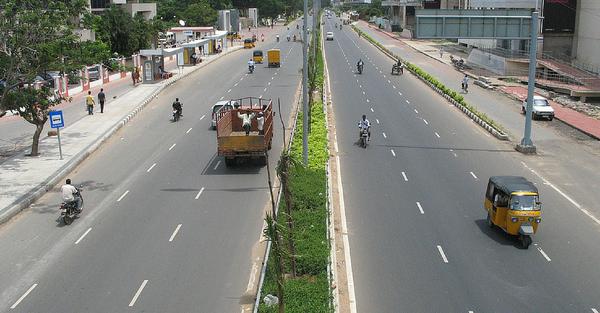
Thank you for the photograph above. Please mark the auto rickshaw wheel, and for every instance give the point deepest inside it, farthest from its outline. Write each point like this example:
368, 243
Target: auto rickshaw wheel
525, 241
489, 220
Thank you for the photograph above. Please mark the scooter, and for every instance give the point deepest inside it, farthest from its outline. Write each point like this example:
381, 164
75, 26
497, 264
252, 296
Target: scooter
70, 211
364, 136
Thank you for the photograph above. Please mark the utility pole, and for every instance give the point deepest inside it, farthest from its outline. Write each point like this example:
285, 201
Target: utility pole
526, 146
305, 86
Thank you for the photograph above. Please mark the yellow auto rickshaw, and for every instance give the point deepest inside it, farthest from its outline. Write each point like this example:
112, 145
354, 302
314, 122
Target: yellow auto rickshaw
274, 56
512, 203
248, 43
257, 56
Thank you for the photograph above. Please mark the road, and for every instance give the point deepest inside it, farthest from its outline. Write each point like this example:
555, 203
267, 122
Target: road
166, 226
414, 204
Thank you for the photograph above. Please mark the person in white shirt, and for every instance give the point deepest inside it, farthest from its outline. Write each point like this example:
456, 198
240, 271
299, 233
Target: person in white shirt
465, 83
261, 123
68, 194
246, 120
364, 124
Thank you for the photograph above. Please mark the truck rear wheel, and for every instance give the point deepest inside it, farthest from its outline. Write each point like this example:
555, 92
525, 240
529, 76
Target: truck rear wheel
229, 162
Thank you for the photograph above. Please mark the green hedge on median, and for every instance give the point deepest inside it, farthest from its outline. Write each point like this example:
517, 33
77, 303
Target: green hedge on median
426, 76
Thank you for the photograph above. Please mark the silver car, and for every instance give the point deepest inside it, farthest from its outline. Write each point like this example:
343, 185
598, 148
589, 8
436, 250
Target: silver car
541, 108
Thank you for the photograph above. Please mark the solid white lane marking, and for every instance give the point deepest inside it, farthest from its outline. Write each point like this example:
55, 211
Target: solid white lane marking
217, 165
372, 110
150, 168
404, 176
199, 193
393, 152
203, 116
542, 252
175, 233
420, 207
23, 296
473, 174
138, 292
377, 120
173, 146
228, 91
442, 254
82, 236
425, 121
221, 97
384, 135
416, 111
437, 135
122, 196
188, 131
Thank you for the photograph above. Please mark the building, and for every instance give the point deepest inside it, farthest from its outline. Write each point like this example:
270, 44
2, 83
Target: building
224, 20
585, 47
133, 7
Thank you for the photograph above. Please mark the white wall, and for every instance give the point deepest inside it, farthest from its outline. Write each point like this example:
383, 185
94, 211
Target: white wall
587, 34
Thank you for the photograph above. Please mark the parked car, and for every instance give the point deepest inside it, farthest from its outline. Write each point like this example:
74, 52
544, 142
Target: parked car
94, 73
541, 108
225, 105
329, 36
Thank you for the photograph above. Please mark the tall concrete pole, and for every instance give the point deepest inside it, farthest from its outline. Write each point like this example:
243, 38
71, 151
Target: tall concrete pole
305, 86
526, 145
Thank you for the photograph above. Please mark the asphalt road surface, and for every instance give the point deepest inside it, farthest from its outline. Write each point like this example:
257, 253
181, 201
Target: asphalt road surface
166, 226
414, 204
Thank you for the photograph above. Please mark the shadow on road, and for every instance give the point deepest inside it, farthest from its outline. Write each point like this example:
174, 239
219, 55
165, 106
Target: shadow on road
497, 234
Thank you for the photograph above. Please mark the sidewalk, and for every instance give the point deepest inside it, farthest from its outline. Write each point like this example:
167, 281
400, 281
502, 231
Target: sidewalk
577, 120
24, 179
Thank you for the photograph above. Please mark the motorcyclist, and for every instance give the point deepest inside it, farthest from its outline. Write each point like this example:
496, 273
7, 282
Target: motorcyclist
364, 124
277, 37
360, 65
251, 65
288, 37
177, 106
69, 194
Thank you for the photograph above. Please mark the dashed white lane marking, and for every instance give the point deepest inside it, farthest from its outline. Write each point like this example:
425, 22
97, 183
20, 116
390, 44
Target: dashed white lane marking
442, 254
82, 236
174, 233
399, 93
173, 146
420, 208
188, 131
368, 100
377, 120
425, 121
199, 193
407, 101
416, 111
217, 165
384, 76
594, 310
138, 292
203, 116
372, 110
470, 311
265, 89
222, 97
473, 174
23, 296
542, 252
235, 85
360, 86
364, 93
384, 135
122, 196
393, 86
260, 96
437, 135
380, 72
404, 176
150, 168
272, 77
228, 91
393, 152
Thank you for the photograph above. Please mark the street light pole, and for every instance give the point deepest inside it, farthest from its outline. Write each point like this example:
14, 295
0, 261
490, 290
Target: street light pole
526, 146
305, 86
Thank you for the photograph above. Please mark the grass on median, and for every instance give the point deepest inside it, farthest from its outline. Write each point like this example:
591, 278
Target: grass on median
431, 79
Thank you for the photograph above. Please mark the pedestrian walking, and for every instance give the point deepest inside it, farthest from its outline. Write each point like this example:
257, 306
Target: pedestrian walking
101, 99
89, 102
441, 52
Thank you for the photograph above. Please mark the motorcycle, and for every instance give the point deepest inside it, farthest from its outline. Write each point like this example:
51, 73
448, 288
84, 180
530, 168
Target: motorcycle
251, 69
176, 115
458, 63
294, 37
397, 69
70, 211
277, 38
288, 38
359, 67
364, 136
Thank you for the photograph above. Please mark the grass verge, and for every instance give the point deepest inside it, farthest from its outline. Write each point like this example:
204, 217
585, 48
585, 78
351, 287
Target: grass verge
431, 79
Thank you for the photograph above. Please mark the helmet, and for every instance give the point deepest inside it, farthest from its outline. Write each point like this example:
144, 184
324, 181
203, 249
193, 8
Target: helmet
364, 117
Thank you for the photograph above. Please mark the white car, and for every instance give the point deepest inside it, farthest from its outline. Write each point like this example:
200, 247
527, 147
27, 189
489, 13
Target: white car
224, 105
329, 36
541, 108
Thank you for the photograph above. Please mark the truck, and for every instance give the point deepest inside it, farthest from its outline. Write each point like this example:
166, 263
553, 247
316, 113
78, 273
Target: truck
233, 143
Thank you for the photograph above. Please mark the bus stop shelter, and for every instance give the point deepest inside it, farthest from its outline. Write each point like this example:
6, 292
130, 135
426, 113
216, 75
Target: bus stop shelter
153, 63
219, 39
190, 47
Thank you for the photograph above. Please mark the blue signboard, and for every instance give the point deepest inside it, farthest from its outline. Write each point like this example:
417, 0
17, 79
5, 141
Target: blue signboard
56, 119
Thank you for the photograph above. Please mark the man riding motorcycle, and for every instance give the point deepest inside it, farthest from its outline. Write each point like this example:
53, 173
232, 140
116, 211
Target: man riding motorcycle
69, 193
251, 66
359, 65
177, 106
364, 124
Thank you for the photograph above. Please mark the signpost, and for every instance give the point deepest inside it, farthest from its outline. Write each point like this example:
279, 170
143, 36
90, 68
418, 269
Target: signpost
57, 121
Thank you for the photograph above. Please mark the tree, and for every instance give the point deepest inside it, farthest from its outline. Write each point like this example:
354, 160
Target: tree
200, 13
37, 36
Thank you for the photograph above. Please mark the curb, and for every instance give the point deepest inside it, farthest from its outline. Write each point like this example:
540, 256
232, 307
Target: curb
498, 134
38, 191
